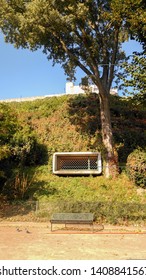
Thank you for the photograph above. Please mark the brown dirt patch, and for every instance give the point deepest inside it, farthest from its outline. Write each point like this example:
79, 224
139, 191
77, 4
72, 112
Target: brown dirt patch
33, 241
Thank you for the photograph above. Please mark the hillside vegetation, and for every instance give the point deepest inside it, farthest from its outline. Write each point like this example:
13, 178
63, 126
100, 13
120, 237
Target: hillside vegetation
32, 131
72, 123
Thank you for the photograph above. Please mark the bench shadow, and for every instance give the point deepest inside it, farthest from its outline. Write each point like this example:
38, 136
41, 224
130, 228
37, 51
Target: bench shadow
78, 229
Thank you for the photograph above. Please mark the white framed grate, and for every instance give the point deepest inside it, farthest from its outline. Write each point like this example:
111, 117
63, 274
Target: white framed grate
72, 163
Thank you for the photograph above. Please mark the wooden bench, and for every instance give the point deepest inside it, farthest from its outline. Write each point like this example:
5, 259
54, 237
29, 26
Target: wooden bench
72, 218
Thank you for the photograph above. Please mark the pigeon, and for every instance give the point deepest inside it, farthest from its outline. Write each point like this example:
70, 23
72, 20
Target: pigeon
27, 231
18, 229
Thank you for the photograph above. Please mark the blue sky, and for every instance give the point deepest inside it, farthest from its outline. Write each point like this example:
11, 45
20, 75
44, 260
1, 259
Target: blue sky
24, 73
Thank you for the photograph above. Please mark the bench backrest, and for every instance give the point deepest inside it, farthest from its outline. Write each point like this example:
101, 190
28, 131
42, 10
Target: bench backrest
73, 216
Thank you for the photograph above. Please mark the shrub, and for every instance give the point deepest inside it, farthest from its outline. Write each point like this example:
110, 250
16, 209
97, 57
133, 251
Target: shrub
17, 186
136, 167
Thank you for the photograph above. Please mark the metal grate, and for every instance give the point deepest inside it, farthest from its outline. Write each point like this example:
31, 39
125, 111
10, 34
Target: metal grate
85, 163
93, 163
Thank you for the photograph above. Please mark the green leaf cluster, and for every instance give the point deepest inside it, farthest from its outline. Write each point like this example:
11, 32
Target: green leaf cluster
136, 167
19, 145
133, 78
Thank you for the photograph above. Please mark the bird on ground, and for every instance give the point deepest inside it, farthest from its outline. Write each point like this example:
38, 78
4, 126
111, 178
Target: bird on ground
27, 231
18, 229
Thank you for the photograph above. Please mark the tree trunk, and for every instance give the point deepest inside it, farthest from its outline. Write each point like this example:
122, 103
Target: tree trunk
111, 158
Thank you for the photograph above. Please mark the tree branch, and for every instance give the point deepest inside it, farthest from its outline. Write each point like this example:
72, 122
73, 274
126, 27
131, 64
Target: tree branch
75, 59
113, 59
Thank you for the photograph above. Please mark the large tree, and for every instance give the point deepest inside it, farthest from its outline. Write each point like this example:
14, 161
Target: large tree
86, 34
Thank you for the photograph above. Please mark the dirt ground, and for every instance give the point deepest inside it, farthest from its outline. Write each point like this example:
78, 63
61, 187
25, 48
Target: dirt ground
35, 241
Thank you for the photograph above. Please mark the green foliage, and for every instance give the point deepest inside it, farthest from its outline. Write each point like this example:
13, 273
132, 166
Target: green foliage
41, 107
129, 127
85, 34
8, 127
26, 148
84, 113
112, 201
19, 145
8, 124
17, 186
133, 78
73, 124
136, 167
4, 151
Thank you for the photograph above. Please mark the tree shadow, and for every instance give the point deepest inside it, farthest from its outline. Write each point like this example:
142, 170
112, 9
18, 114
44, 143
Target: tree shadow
128, 122
84, 113
129, 126
28, 206
16, 209
42, 188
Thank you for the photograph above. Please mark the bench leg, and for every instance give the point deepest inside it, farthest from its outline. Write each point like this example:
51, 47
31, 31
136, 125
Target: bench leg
92, 227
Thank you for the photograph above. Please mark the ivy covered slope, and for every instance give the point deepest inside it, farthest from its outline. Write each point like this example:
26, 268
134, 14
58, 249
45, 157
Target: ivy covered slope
72, 123
68, 123
32, 131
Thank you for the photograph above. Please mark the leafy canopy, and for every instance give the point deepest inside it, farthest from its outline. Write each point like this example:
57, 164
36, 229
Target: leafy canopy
134, 75
87, 34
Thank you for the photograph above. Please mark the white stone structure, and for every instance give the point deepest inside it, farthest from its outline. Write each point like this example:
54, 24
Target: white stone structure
72, 89
77, 163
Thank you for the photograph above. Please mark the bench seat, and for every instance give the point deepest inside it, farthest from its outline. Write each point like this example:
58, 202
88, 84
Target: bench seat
72, 218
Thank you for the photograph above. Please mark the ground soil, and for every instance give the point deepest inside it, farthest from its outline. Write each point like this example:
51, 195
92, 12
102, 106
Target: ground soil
35, 241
